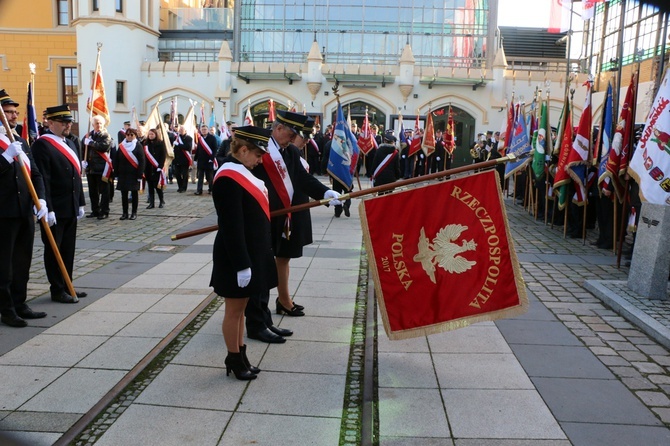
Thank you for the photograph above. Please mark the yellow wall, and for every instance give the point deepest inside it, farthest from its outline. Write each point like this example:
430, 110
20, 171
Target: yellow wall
31, 37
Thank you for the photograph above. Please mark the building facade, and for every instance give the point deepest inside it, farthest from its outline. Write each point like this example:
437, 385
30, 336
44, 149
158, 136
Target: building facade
44, 38
394, 61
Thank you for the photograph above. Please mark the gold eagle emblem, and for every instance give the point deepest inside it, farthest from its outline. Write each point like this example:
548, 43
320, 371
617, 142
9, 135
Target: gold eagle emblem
443, 252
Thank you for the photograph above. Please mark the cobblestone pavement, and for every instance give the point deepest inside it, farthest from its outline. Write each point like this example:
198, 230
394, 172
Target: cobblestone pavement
555, 270
100, 242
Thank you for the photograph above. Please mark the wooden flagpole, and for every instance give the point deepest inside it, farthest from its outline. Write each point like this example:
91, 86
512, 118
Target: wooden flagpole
368, 191
91, 100
43, 220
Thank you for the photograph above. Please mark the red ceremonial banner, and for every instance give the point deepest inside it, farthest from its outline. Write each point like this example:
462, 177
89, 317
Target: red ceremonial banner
447, 260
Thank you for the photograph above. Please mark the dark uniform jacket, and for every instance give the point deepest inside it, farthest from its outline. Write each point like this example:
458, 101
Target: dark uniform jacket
391, 172
128, 175
206, 161
304, 186
243, 241
180, 150
157, 149
15, 199
62, 182
101, 143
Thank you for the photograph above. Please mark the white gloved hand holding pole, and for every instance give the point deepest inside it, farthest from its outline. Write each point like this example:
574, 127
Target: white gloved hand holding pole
15, 149
334, 196
42, 211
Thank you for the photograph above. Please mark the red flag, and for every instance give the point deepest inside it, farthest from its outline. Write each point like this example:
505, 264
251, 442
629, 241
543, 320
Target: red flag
511, 115
447, 260
450, 134
619, 155
428, 142
98, 97
415, 144
271, 111
366, 140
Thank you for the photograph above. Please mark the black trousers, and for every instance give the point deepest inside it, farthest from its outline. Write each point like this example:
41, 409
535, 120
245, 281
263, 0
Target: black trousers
257, 313
337, 187
16, 254
181, 175
202, 173
65, 235
152, 186
124, 201
98, 191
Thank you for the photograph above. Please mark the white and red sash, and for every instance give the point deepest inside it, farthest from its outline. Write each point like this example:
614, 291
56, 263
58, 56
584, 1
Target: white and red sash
5, 142
385, 162
107, 171
187, 152
278, 173
242, 176
161, 179
126, 149
206, 148
64, 149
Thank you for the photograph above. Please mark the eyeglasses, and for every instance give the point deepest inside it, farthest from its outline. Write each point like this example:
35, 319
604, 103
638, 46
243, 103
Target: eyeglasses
12, 112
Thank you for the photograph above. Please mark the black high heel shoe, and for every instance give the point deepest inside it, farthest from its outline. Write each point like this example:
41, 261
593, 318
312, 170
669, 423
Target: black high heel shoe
235, 363
295, 311
253, 369
295, 305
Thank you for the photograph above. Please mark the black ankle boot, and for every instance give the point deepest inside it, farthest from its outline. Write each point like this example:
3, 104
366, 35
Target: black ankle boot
252, 369
235, 363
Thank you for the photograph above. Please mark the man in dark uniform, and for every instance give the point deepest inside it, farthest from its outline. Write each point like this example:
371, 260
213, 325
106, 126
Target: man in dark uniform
97, 144
59, 163
17, 224
288, 184
386, 165
437, 161
205, 154
182, 158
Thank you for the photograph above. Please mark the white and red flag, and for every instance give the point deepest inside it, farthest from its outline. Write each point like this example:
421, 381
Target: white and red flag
272, 114
447, 260
650, 164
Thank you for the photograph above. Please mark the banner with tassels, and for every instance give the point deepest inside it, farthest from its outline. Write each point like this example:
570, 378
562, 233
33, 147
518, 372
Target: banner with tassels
447, 260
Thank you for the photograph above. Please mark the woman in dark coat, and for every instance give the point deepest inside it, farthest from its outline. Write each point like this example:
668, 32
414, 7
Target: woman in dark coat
155, 151
244, 264
129, 164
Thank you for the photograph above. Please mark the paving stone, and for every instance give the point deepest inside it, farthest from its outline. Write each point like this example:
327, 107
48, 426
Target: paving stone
647, 367
656, 399
633, 355
614, 361
638, 383
663, 413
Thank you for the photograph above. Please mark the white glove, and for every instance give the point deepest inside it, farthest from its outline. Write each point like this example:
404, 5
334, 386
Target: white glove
15, 149
51, 218
87, 140
243, 277
403, 156
82, 211
84, 164
437, 158
335, 197
43, 209
159, 170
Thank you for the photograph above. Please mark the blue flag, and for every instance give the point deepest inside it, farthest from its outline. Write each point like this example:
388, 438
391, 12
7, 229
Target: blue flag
401, 137
519, 146
343, 152
605, 137
32, 116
